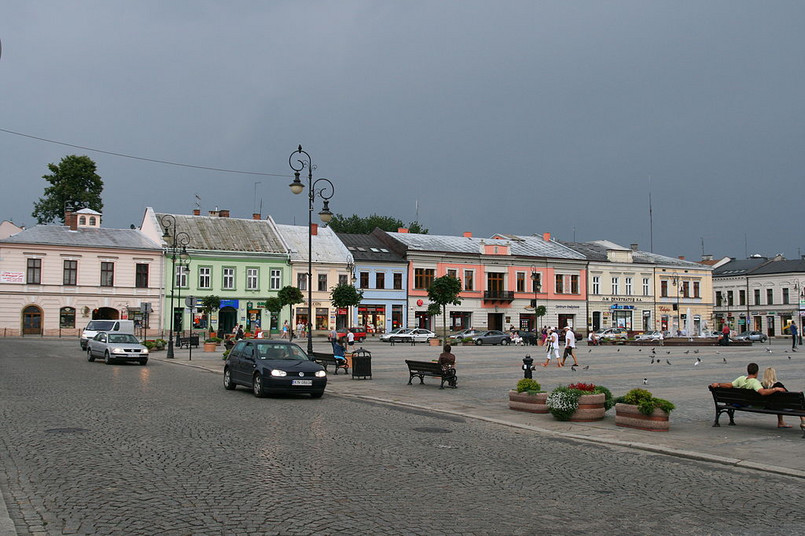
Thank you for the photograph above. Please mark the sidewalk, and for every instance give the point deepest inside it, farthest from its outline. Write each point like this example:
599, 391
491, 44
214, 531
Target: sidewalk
487, 373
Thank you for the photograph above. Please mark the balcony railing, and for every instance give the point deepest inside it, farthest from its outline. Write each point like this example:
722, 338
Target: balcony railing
499, 295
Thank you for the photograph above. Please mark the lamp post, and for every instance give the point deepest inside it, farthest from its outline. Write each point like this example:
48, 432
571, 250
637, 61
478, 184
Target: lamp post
178, 247
351, 279
535, 283
299, 160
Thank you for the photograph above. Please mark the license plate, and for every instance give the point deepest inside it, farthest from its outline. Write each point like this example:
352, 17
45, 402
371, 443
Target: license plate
307, 383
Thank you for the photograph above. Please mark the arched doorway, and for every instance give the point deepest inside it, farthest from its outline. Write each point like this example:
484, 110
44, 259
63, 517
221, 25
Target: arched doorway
105, 313
32, 320
227, 318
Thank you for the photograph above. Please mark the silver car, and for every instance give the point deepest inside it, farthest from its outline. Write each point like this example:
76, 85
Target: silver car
116, 347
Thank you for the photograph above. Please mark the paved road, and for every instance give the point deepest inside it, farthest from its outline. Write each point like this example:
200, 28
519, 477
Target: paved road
93, 449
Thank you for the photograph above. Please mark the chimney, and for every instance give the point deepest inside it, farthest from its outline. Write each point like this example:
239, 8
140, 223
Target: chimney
214, 213
224, 213
707, 257
256, 216
633, 247
314, 229
546, 237
70, 219
467, 234
402, 230
681, 257
196, 212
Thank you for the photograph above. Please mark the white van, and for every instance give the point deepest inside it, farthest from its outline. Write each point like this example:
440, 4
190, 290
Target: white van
94, 326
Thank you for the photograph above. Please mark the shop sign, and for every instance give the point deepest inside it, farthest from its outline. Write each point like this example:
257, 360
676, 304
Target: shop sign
230, 303
616, 306
12, 277
622, 299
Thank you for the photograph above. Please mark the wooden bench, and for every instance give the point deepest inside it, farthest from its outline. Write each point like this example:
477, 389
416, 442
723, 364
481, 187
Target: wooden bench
326, 359
430, 368
187, 341
729, 400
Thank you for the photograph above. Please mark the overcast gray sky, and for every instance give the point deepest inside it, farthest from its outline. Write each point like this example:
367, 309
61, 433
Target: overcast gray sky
491, 117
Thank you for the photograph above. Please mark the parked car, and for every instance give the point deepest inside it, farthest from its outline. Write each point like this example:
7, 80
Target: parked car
358, 333
96, 326
492, 336
461, 335
612, 334
650, 336
273, 366
754, 336
529, 337
416, 335
114, 347
388, 337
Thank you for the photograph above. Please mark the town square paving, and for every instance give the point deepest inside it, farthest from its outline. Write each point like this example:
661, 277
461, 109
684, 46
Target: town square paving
88, 448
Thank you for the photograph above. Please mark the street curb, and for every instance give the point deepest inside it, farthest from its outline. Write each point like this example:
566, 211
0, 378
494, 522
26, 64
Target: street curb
7, 527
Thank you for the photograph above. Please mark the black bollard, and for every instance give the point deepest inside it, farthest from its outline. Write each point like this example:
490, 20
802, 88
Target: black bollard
527, 367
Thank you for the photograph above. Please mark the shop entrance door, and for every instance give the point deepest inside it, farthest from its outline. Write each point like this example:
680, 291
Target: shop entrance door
494, 321
32, 320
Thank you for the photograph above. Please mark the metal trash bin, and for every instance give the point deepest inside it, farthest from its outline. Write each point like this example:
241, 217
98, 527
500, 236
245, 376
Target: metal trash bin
361, 364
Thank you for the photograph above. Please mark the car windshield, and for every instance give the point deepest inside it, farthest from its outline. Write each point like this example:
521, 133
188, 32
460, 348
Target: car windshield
123, 338
101, 325
289, 352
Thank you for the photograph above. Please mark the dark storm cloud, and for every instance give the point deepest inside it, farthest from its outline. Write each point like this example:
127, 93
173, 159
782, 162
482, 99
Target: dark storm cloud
514, 117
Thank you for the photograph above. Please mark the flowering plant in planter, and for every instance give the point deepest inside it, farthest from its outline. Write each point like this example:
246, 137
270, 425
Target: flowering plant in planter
646, 403
564, 400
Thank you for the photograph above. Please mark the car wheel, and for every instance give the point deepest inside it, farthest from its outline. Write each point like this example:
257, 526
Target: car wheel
257, 386
143, 362
228, 383
90, 357
478, 342
504, 342
107, 358
317, 394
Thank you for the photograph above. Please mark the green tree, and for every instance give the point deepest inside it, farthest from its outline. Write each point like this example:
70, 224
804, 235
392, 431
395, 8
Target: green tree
273, 305
442, 292
365, 225
346, 296
208, 305
73, 182
290, 296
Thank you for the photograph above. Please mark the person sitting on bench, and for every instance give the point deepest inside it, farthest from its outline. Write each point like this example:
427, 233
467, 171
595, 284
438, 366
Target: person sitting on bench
448, 363
339, 351
750, 381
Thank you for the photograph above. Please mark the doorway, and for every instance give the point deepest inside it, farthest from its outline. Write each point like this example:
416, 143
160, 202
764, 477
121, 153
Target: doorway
32, 320
494, 321
227, 318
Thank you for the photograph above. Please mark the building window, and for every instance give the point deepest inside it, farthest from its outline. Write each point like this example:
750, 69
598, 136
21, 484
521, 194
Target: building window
301, 281
398, 281
596, 285
228, 278
536, 282
322, 282
252, 278
71, 273
741, 297
646, 288
380, 280
452, 273
181, 275
342, 279
718, 298
615, 286
686, 291
275, 280
34, 271
730, 298
468, 283
520, 282
364, 280
628, 286
785, 296
769, 296
574, 284
664, 288
67, 317
696, 290
423, 278
140, 275
107, 274
204, 277
757, 296
560, 284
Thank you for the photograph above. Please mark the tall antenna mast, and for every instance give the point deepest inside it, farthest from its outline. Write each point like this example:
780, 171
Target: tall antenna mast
650, 218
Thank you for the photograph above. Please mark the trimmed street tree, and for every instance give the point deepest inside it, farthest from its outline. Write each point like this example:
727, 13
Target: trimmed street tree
273, 306
344, 296
74, 183
442, 292
290, 296
208, 305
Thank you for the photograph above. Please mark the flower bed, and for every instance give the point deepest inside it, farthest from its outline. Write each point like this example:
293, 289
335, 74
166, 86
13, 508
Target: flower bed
579, 402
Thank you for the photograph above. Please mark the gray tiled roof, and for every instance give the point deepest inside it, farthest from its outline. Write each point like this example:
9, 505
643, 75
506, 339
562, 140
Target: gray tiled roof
526, 246
60, 235
327, 248
597, 251
213, 233
368, 248
777, 267
739, 267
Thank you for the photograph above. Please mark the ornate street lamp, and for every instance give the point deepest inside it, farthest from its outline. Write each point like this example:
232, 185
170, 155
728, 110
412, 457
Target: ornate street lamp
178, 247
537, 286
299, 160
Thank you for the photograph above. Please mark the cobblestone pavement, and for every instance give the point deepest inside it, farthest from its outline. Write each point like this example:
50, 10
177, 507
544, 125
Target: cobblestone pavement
93, 449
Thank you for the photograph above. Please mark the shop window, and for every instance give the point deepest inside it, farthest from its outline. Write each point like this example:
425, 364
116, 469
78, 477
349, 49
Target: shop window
67, 317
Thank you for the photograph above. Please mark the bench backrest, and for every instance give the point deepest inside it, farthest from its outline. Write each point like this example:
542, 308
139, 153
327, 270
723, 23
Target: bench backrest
424, 366
787, 400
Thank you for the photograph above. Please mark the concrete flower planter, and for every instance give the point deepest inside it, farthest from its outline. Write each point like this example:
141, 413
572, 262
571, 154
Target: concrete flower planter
591, 408
527, 402
210, 346
628, 416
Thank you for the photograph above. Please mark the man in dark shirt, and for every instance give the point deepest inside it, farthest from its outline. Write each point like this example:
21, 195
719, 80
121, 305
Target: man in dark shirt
448, 363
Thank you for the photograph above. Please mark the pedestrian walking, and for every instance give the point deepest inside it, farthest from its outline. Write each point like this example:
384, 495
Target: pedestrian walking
725, 335
793, 329
570, 346
285, 330
552, 345
350, 339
